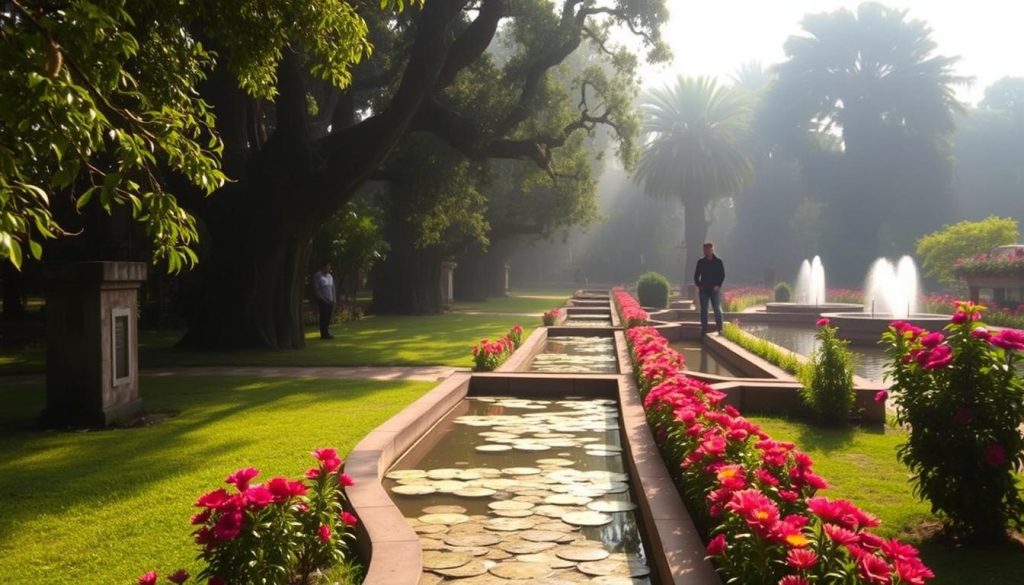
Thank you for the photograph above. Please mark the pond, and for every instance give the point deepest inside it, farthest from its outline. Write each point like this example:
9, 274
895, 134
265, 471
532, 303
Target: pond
522, 489
699, 359
577, 354
869, 360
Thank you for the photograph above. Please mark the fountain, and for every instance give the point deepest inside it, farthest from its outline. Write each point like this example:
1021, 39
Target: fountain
809, 295
891, 293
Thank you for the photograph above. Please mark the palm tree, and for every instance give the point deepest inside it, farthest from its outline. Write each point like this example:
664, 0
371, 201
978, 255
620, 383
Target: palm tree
694, 131
864, 75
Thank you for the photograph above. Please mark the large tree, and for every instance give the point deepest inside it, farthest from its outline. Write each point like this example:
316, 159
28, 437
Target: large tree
693, 150
872, 79
301, 131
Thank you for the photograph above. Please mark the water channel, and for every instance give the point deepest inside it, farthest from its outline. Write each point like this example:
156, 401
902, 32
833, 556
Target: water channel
515, 488
869, 360
577, 354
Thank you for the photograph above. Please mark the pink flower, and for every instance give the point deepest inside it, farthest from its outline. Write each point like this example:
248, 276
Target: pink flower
241, 478
313, 473
228, 526
981, 333
823, 322
841, 535
874, 570
349, 519
328, 453
148, 578
794, 580
932, 339
283, 490
995, 455
912, 571
716, 545
346, 480
258, 497
881, 396
1008, 339
801, 558
179, 576
324, 533
214, 499
939, 357
201, 517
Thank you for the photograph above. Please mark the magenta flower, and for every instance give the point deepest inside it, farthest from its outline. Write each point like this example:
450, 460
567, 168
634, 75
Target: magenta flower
178, 577
823, 322
148, 578
324, 533
241, 478
1008, 339
349, 519
881, 395
995, 455
716, 545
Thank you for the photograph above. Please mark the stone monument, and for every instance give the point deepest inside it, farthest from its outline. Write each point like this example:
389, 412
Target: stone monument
92, 371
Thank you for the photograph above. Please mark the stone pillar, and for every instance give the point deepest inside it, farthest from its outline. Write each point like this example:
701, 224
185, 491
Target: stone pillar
447, 282
508, 278
92, 370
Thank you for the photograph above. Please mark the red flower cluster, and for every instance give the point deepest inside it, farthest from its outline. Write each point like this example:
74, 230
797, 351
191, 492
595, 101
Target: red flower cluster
293, 518
757, 495
739, 298
549, 317
490, 354
629, 309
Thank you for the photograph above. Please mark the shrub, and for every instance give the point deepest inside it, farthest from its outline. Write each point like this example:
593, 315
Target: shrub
652, 290
783, 292
961, 395
757, 497
630, 312
276, 533
549, 317
828, 378
516, 335
490, 354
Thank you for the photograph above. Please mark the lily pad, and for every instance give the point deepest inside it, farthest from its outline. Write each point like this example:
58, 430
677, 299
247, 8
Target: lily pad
549, 559
525, 547
472, 539
544, 535
581, 553
518, 570
433, 559
513, 513
474, 492
588, 518
508, 524
566, 500
520, 471
493, 448
405, 474
446, 519
510, 505
470, 569
611, 506
414, 490
444, 510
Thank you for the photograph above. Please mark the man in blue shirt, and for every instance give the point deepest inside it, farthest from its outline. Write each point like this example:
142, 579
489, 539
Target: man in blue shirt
709, 276
323, 283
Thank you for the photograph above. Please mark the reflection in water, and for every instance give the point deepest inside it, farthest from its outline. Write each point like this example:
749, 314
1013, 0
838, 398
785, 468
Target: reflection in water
698, 359
540, 451
573, 354
588, 321
869, 360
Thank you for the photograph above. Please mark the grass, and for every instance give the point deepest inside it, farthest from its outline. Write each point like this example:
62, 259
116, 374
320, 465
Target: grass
532, 300
772, 353
860, 465
376, 340
104, 506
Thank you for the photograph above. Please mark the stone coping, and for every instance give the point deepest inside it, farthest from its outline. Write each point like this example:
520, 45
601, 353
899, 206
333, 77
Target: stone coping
675, 548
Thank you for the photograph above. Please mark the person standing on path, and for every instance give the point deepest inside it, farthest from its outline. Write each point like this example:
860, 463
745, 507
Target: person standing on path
323, 283
709, 276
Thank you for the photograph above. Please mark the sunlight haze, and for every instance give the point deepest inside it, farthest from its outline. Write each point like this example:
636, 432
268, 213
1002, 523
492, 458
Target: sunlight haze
715, 38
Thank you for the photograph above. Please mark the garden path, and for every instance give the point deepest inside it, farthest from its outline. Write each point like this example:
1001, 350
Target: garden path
402, 373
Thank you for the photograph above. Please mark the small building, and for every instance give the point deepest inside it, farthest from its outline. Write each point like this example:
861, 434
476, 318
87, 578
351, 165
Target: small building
996, 278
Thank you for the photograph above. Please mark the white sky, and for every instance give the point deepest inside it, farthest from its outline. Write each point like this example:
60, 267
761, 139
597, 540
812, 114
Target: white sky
714, 37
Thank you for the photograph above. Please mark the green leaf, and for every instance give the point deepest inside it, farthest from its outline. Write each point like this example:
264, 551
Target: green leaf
36, 249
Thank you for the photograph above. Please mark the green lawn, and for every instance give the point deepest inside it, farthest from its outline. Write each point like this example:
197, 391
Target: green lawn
104, 506
861, 465
376, 340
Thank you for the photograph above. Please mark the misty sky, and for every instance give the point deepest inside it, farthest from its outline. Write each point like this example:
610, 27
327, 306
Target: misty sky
713, 37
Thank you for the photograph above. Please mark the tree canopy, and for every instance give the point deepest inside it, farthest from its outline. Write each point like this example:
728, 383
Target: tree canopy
939, 250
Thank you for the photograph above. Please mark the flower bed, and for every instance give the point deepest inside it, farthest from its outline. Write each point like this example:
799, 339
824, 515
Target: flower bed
276, 533
488, 355
735, 300
630, 312
549, 317
755, 497
991, 264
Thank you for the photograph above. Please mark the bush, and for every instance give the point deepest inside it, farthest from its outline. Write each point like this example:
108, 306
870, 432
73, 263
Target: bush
783, 292
961, 395
490, 354
276, 533
549, 317
828, 378
652, 290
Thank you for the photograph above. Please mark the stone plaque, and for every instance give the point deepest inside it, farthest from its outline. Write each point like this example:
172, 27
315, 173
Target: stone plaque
120, 344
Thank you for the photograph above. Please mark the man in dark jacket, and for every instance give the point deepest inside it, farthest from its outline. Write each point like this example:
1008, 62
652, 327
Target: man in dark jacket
708, 277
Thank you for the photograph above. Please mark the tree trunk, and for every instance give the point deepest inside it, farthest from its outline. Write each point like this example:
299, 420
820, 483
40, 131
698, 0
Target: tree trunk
696, 233
471, 277
408, 281
14, 306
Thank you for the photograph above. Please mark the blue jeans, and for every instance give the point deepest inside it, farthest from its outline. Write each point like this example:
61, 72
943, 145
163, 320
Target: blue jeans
713, 296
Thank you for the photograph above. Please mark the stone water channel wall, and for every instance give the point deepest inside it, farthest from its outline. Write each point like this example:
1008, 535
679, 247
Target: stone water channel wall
392, 548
